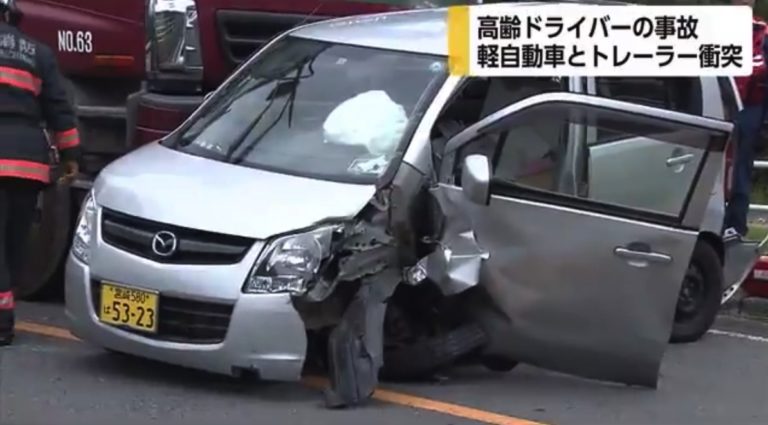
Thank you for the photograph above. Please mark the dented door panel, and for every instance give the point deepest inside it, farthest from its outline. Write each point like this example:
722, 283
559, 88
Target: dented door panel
567, 300
455, 265
568, 286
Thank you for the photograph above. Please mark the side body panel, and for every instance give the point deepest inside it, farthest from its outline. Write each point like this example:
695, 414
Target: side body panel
87, 35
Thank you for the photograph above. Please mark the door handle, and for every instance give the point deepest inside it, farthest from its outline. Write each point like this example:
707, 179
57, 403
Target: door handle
641, 258
679, 160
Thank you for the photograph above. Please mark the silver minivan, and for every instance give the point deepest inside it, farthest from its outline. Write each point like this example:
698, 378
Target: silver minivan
343, 201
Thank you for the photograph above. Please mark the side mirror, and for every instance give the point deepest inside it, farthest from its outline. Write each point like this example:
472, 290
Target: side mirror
476, 179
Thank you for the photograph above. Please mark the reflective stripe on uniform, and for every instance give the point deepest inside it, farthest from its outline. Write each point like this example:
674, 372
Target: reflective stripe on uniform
25, 170
20, 79
67, 139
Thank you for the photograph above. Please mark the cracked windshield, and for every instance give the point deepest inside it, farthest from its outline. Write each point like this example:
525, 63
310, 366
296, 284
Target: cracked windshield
318, 109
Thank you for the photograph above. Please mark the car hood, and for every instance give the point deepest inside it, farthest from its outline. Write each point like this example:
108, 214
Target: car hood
164, 185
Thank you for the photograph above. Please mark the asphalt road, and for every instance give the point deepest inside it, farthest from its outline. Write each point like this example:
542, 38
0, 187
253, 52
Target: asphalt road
49, 378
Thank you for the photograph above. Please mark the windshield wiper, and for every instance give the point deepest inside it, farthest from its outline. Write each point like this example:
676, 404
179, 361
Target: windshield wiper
184, 139
244, 134
288, 105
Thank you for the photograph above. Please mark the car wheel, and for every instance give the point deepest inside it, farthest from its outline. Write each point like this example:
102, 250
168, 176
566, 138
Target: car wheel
700, 294
427, 356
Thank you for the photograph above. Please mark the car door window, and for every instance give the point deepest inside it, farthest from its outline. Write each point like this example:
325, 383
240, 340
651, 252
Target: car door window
479, 97
680, 94
529, 156
504, 91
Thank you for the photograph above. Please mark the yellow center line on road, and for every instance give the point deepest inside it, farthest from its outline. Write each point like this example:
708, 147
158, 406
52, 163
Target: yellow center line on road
46, 330
422, 403
388, 396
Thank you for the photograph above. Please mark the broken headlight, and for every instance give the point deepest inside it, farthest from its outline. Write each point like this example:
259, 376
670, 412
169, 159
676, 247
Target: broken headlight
290, 263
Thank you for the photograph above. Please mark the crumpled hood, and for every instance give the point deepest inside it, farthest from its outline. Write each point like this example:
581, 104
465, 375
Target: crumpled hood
160, 184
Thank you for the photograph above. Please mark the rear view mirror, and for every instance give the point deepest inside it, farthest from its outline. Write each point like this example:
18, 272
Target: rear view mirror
476, 179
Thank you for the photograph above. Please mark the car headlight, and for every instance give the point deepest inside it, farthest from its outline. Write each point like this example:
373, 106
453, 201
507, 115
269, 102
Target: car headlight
290, 263
81, 245
174, 36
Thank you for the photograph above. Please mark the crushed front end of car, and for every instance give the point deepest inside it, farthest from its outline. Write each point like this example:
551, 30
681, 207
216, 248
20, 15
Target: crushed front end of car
340, 277
312, 134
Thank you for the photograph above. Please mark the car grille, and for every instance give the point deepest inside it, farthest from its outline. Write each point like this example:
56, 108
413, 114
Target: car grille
134, 235
183, 320
243, 32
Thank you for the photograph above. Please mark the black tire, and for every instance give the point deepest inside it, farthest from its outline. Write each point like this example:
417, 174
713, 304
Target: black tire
422, 359
700, 295
498, 364
47, 246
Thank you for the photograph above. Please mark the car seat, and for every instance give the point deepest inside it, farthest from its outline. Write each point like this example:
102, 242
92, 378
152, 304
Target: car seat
526, 142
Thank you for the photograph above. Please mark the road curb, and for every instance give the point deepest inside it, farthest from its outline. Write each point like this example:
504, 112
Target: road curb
741, 305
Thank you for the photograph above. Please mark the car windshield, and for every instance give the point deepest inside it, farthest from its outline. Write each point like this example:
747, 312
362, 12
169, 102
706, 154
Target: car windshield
316, 109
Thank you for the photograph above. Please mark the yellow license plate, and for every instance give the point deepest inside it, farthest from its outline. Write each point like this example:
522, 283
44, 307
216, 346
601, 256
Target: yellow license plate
129, 307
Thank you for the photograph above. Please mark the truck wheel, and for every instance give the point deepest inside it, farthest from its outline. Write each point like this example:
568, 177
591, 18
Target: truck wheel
700, 295
47, 245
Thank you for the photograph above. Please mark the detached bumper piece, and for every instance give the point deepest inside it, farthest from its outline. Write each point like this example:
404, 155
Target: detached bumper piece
356, 345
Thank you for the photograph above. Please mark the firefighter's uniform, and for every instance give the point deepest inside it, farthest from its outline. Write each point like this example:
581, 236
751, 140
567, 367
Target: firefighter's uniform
33, 100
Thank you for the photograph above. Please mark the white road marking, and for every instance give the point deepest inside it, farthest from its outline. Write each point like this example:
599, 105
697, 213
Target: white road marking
754, 338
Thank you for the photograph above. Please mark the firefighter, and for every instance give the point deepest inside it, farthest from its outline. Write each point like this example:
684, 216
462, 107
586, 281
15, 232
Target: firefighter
36, 120
752, 90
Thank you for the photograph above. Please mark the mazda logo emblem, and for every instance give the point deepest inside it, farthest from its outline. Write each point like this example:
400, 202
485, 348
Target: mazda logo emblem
164, 243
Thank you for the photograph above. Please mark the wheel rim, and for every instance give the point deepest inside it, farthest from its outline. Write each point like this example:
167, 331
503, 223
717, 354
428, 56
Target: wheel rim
692, 294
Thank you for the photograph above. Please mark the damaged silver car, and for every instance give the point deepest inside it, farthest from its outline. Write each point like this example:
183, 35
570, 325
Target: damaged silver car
343, 202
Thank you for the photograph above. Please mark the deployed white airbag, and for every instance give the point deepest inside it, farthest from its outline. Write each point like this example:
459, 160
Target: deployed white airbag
370, 119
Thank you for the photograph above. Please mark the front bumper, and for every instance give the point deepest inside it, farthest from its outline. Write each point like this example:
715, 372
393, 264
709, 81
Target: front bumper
265, 335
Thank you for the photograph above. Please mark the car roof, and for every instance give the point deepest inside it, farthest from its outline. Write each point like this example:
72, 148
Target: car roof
417, 31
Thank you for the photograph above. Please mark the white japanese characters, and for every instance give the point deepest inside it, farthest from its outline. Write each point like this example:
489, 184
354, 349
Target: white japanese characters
75, 41
592, 40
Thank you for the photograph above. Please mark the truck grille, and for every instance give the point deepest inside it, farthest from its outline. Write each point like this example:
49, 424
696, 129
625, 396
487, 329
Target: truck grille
135, 235
243, 32
183, 320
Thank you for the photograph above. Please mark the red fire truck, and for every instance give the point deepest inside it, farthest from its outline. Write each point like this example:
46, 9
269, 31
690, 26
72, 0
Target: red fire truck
136, 69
